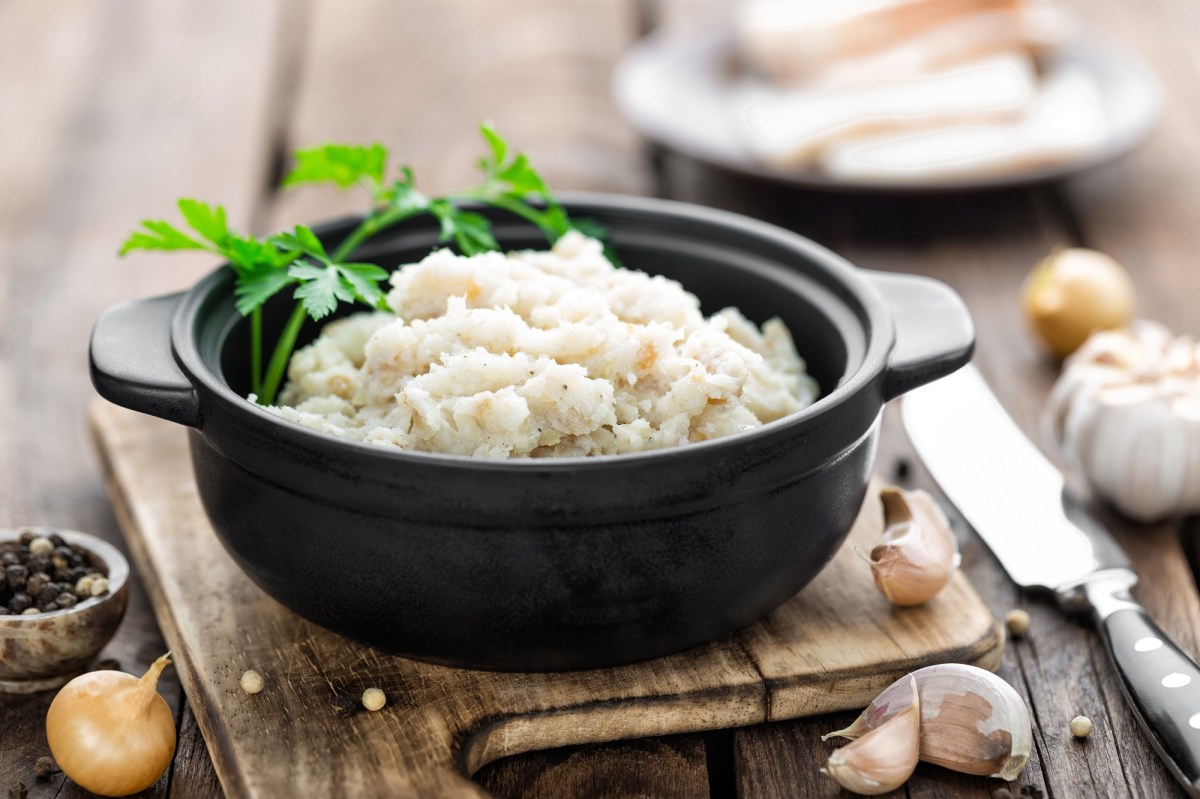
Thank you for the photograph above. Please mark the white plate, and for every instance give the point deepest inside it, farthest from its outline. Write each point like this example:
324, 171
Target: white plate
678, 92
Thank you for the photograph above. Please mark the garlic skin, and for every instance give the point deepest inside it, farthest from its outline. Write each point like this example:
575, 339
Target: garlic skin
971, 720
111, 732
918, 552
1126, 414
883, 759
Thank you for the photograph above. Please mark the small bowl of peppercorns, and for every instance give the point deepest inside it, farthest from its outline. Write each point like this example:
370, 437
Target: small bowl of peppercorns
62, 596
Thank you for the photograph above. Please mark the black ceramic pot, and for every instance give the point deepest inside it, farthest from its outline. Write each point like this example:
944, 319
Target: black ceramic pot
559, 562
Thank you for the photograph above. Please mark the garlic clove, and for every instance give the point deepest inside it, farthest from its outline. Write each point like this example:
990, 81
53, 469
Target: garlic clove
882, 759
918, 552
971, 720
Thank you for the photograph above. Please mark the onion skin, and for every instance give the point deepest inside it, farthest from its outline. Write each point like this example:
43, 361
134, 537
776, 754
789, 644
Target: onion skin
111, 732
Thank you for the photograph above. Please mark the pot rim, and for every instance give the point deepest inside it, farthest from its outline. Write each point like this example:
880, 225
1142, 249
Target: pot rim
879, 336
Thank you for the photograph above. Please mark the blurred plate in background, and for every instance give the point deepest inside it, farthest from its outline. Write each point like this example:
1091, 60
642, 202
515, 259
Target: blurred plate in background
683, 93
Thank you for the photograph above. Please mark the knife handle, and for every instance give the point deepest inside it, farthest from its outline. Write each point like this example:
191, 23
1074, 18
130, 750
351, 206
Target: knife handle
1160, 681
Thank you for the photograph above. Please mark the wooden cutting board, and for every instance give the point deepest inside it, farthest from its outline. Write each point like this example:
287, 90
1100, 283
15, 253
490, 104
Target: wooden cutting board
833, 647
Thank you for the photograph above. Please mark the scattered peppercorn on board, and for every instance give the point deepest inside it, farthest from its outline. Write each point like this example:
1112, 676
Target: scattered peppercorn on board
833, 647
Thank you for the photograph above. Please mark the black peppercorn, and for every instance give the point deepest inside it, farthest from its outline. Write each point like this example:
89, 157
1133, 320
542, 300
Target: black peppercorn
45, 767
36, 583
19, 602
27, 537
57, 540
47, 607
10, 558
66, 600
15, 577
49, 593
38, 563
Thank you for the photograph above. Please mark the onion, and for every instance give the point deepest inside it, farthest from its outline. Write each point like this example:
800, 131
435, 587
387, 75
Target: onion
1072, 294
111, 732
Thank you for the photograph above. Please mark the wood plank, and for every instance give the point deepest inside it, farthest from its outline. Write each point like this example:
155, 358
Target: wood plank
445, 723
113, 109
665, 768
421, 75
193, 776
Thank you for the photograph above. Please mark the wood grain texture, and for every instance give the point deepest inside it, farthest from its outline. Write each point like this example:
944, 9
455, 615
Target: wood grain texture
443, 723
662, 768
111, 109
421, 75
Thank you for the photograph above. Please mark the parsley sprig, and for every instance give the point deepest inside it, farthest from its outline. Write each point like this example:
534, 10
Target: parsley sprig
321, 281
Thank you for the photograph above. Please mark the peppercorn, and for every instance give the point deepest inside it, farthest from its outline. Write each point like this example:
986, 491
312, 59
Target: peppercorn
35, 583
1081, 726
43, 573
45, 767
15, 577
30, 612
18, 791
251, 682
41, 546
374, 699
1017, 622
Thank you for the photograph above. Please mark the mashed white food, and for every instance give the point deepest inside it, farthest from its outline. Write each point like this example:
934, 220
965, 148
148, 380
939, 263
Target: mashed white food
542, 354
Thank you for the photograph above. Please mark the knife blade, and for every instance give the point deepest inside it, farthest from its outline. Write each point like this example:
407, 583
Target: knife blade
1019, 504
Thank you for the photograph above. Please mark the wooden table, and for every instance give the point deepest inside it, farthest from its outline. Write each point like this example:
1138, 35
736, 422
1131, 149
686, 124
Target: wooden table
110, 109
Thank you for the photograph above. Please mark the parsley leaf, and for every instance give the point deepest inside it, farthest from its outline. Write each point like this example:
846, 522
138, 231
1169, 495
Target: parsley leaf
341, 164
470, 231
207, 220
364, 280
255, 287
301, 239
158, 234
321, 288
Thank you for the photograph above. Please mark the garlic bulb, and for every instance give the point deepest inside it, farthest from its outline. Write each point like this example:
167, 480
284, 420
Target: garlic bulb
1126, 414
883, 759
918, 553
971, 720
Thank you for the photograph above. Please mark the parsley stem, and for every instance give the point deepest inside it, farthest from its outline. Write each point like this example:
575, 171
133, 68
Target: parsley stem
281, 355
256, 350
374, 223
513, 206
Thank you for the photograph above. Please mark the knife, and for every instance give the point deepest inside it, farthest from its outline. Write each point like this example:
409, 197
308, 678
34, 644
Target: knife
1047, 540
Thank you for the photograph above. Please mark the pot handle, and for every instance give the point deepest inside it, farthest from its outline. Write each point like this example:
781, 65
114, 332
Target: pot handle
934, 332
132, 363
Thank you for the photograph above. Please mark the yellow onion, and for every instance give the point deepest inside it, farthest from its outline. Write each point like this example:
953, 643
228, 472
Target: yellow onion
111, 732
1072, 294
